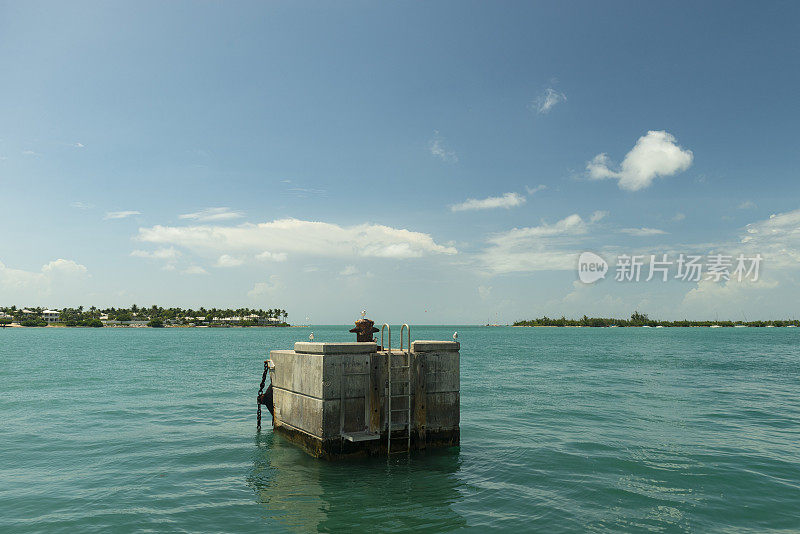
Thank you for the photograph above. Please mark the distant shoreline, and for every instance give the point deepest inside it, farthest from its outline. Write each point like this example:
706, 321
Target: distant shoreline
17, 325
641, 320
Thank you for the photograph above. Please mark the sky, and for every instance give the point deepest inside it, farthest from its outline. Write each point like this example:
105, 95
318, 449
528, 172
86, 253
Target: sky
431, 163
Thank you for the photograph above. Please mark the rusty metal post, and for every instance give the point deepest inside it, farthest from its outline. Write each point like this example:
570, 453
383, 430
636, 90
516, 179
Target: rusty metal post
364, 330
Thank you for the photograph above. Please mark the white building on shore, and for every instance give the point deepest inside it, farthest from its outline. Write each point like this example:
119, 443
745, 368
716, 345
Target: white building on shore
51, 316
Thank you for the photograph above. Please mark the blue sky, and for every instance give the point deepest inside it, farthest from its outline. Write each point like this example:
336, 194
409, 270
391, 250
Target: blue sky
330, 157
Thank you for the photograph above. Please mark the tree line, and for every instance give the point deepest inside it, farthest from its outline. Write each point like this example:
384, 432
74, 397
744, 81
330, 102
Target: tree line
641, 319
155, 316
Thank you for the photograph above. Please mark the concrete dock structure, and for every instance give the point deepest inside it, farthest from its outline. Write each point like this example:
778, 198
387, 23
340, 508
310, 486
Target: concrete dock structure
347, 399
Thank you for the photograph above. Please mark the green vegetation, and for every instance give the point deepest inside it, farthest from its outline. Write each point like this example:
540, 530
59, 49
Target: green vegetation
154, 316
33, 322
641, 319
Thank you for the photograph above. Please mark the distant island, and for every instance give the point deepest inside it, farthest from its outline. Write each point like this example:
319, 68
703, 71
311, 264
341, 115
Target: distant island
641, 319
153, 317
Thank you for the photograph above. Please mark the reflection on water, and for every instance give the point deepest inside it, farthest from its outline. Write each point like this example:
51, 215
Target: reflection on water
400, 493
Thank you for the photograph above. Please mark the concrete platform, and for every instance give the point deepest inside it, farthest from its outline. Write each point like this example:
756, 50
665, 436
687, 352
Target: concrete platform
331, 398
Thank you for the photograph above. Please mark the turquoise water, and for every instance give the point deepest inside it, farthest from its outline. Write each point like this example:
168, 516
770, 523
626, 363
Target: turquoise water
670, 430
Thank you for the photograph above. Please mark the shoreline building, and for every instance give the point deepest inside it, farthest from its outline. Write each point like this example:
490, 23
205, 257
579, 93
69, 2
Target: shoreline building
51, 316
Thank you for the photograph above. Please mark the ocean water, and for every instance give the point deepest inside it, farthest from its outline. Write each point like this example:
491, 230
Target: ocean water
563, 430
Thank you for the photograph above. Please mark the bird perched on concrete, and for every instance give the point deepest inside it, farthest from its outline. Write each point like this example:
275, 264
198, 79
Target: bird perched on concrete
311, 336
455, 336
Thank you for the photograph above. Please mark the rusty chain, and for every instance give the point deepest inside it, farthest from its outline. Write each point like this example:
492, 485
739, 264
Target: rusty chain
260, 392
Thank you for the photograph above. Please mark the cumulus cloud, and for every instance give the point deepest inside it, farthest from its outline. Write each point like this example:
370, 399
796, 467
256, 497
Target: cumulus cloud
212, 214
536, 189
121, 214
311, 238
538, 248
227, 260
548, 100
194, 269
571, 225
64, 266
349, 270
272, 256
508, 200
158, 254
484, 292
598, 216
437, 148
709, 298
776, 238
18, 283
263, 289
655, 154
747, 205
641, 232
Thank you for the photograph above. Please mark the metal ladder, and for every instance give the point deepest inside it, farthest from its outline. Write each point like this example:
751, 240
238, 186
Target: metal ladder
404, 381
359, 435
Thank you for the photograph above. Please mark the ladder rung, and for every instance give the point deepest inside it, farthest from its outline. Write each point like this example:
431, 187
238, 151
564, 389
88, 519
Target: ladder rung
401, 396
399, 426
355, 374
401, 410
402, 367
406, 381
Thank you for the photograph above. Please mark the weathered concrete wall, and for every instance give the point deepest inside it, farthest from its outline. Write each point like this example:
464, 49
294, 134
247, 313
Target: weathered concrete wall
310, 382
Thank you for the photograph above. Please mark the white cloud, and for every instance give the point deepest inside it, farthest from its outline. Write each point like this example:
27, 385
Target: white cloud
312, 238
121, 214
508, 200
304, 192
64, 266
571, 225
548, 100
227, 260
349, 270
776, 238
484, 292
158, 254
747, 205
78, 145
213, 214
679, 217
57, 274
709, 298
80, 205
262, 289
30, 153
438, 149
598, 216
641, 232
655, 154
534, 190
194, 269
272, 256
540, 248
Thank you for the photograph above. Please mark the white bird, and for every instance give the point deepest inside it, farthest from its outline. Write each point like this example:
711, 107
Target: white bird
311, 336
363, 313
455, 336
